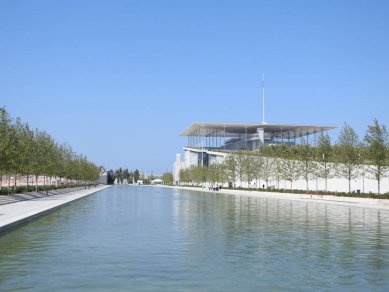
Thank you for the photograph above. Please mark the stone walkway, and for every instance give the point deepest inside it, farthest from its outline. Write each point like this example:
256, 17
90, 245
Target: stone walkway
13, 198
382, 204
25, 207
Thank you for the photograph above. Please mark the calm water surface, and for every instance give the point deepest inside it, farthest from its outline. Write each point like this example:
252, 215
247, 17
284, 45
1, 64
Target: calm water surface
157, 239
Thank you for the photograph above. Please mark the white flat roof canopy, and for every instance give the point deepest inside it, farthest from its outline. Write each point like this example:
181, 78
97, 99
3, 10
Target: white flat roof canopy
198, 129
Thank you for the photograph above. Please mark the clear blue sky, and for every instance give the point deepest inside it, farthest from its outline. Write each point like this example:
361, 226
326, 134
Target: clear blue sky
119, 80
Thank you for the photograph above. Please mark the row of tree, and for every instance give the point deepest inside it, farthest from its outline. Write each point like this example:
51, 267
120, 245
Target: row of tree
120, 175
349, 158
34, 153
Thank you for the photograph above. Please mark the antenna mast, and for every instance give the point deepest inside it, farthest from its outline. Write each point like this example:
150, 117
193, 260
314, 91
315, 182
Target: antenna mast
263, 98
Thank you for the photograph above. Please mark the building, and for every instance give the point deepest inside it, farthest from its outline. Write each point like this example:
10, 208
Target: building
177, 166
209, 143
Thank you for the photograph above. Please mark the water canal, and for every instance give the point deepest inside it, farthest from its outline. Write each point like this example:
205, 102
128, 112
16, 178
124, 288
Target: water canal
160, 239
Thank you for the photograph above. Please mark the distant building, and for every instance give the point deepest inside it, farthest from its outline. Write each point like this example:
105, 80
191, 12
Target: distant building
177, 166
104, 176
103, 179
209, 143
157, 181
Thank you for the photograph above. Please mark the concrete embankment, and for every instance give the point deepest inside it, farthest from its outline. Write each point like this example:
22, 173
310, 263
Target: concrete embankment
14, 214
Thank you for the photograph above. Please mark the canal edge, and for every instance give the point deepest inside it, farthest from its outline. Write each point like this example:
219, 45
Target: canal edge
21, 221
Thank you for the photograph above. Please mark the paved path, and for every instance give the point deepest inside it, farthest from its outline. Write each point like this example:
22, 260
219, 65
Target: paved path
19, 212
381, 204
13, 198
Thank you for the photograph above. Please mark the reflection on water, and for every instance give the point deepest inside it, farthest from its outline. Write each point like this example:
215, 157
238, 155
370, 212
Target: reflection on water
288, 243
140, 238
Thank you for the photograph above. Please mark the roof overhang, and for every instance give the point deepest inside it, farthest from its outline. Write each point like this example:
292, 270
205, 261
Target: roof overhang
238, 129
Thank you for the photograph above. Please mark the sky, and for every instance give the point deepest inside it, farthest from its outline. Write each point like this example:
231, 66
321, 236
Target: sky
119, 80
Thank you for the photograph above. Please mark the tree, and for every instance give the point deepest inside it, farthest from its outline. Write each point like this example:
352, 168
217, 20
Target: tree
184, 175
111, 176
213, 174
217, 173
248, 166
288, 166
167, 178
377, 140
5, 143
136, 175
38, 157
198, 174
231, 167
324, 155
257, 163
268, 169
131, 177
119, 175
126, 175
241, 166
305, 155
348, 154
222, 173
27, 137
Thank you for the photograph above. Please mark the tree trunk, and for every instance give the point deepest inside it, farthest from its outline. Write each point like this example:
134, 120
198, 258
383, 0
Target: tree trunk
326, 174
36, 183
325, 182
44, 184
349, 180
379, 178
349, 185
9, 183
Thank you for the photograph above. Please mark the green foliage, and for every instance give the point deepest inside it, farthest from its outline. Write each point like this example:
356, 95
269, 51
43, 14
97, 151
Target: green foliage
289, 170
231, 167
348, 154
257, 166
307, 165
121, 174
324, 155
167, 178
136, 175
376, 141
268, 169
27, 152
216, 173
184, 175
241, 161
199, 174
